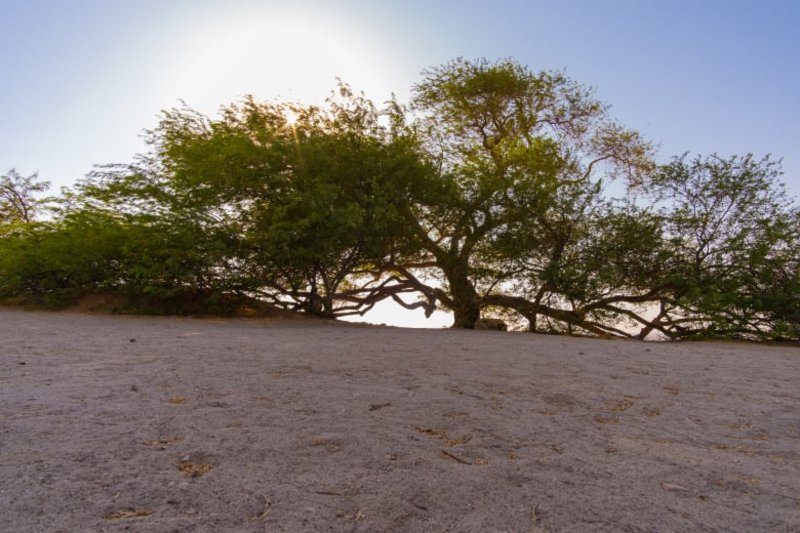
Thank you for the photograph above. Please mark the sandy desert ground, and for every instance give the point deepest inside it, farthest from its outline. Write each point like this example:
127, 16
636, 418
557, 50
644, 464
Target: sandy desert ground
114, 423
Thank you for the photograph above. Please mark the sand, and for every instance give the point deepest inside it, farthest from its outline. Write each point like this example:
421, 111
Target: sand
167, 424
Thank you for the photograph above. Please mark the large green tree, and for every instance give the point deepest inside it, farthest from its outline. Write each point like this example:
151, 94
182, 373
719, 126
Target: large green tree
733, 237
300, 213
508, 146
714, 251
491, 199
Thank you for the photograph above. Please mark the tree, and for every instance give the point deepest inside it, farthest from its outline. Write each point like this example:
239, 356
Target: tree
17, 197
716, 253
506, 143
299, 214
585, 264
734, 242
490, 200
322, 244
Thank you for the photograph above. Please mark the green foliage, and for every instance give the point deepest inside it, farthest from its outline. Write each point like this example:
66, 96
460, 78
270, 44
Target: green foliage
250, 205
489, 200
514, 149
18, 202
325, 206
735, 243
51, 264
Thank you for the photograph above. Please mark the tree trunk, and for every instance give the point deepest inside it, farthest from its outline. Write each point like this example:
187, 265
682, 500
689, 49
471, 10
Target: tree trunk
465, 314
317, 305
466, 304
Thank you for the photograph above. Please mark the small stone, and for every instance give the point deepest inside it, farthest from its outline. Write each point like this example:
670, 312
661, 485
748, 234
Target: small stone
133, 340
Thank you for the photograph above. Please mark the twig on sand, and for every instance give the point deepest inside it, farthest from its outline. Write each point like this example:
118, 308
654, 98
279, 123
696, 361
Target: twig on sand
122, 515
455, 457
267, 508
418, 506
328, 493
376, 406
536, 521
190, 469
432, 433
356, 516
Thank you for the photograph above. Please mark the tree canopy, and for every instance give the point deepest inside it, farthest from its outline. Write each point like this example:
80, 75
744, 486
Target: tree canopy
513, 151
487, 195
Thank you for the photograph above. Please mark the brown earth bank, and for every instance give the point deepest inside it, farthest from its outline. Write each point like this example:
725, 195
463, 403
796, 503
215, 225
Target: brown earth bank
111, 423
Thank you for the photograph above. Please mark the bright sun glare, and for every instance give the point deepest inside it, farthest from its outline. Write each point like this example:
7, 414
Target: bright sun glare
276, 54
291, 117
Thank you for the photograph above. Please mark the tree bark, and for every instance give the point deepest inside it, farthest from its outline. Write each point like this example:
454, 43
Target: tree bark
466, 303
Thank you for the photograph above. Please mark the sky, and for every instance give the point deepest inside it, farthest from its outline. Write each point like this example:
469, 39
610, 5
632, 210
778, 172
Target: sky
83, 79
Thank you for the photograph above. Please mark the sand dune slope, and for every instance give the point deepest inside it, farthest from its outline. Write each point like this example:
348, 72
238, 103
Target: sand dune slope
165, 424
